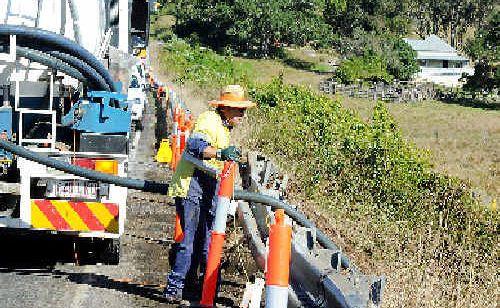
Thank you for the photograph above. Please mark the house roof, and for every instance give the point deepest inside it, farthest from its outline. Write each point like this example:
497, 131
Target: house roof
430, 43
434, 48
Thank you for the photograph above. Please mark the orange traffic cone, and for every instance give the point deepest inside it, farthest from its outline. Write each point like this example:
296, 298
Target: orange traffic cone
226, 188
278, 262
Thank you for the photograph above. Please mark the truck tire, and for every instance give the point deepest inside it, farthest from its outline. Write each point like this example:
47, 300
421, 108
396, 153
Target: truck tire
111, 252
98, 250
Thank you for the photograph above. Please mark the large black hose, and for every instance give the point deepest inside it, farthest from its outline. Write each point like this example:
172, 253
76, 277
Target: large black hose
67, 64
151, 186
50, 61
143, 185
88, 71
36, 37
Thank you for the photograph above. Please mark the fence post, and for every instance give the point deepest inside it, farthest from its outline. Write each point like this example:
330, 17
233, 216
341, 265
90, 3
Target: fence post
278, 262
225, 193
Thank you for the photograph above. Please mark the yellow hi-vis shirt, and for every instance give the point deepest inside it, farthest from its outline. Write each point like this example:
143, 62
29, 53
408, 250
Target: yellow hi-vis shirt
210, 128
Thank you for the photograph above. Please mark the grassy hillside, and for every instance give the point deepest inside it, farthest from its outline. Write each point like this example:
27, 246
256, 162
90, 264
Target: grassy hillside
357, 175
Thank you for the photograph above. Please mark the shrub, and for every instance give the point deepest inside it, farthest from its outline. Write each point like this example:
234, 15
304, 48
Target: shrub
398, 57
360, 163
367, 67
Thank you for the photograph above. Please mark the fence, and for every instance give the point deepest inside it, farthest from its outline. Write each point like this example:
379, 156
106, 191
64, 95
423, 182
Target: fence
488, 100
399, 91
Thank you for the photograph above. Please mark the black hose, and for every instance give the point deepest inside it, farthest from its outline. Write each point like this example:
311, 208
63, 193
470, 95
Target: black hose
36, 37
155, 187
143, 185
50, 61
88, 71
67, 64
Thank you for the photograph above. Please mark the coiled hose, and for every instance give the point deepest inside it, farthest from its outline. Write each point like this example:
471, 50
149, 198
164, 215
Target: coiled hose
40, 39
89, 72
45, 59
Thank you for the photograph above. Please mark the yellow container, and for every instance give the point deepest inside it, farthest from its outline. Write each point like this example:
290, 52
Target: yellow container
164, 154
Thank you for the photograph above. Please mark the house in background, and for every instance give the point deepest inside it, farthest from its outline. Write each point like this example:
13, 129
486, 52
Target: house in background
439, 62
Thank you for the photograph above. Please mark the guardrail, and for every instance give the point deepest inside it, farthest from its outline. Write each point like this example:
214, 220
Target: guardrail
320, 276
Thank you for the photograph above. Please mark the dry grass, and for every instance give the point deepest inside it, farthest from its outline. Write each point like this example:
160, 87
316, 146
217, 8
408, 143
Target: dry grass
311, 55
418, 270
464, 141
266, 70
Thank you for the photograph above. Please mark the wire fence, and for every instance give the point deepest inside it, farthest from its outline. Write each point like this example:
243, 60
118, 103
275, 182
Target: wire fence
413, 91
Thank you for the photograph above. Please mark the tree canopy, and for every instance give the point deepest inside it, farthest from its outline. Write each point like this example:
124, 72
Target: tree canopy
259, 28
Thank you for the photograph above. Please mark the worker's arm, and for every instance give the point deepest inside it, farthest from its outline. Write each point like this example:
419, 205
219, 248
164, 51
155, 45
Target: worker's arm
201, 149
210, 152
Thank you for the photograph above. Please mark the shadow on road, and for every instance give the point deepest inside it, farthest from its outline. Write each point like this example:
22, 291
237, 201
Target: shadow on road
149, 291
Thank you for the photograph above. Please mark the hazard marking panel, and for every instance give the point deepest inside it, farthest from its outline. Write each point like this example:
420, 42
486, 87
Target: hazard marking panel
64, 215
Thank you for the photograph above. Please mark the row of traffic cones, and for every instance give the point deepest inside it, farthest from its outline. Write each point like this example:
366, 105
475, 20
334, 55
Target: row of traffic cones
171, 149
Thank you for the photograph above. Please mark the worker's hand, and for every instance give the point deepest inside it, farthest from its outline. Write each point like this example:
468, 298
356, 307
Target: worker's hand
229, 153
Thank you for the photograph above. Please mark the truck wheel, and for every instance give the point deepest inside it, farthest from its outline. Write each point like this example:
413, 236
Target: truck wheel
98, 250
111, 251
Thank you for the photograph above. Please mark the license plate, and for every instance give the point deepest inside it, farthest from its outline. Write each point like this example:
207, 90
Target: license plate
72, 189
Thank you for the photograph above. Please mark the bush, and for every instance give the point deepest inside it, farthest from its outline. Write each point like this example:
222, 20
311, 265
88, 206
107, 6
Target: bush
367, 67
369, 164
398, 57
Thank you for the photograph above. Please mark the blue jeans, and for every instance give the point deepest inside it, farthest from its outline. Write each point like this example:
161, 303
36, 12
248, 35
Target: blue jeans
197, 213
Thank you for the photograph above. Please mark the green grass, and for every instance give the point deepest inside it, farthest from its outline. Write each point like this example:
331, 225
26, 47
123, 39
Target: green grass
356, 171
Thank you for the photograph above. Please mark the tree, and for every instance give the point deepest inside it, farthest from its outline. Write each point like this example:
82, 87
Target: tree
484, 47
379, 16
449, 18
252, 26
486, 77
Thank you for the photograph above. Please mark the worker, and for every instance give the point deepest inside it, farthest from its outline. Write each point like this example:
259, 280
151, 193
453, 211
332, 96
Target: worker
194, 190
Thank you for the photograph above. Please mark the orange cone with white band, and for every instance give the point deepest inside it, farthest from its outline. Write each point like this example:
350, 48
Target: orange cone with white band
226, 188
278, 262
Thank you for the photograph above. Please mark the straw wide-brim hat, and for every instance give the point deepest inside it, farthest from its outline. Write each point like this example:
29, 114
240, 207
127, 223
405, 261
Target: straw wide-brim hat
232, 96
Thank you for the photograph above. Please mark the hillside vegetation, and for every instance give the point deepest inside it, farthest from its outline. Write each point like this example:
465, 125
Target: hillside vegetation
375, 193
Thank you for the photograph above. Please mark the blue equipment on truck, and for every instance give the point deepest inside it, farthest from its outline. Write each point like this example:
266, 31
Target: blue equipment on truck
103, 112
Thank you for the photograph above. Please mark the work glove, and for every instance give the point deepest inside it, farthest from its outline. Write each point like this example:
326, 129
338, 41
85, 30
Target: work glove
229, 153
